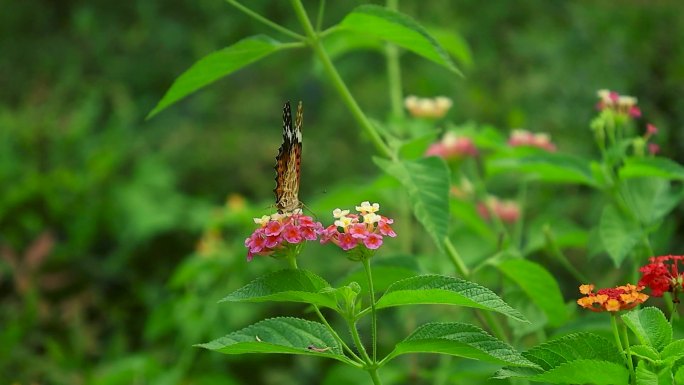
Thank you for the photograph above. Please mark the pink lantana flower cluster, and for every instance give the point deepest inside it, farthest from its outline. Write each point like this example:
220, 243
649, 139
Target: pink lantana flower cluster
507, 211
360, 234
622, 104
452, 146
651, 130
617, 113
527, 138
281, 235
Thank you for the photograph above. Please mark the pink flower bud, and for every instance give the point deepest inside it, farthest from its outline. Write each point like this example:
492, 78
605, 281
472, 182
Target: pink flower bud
653, 148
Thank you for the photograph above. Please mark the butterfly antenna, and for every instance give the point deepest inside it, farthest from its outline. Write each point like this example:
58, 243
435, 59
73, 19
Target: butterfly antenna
313, 214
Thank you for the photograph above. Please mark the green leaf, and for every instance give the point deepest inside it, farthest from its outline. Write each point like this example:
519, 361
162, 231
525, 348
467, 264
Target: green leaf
460, 339
416, 147
286, 286
399, 29
342, 41
441, 289
645, 375
673, 351
576, 358
652, 167
618, 234
427, 183
540, 287
543, 166
215, 66
574, 372
280, 335
586, 372
650, 326
645, 352
454, 44
679, 376
650, 198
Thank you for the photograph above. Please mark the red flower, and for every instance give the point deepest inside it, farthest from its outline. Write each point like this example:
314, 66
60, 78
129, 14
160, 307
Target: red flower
662, 275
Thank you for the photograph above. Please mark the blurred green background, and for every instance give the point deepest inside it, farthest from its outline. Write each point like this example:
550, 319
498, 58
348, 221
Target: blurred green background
118, 235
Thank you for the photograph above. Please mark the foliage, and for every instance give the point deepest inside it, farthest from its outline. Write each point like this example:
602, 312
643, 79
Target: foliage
100, 211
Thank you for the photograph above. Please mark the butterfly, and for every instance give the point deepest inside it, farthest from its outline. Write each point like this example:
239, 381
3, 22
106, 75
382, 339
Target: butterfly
288, 162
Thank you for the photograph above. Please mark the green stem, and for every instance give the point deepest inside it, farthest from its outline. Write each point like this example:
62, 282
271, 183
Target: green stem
461, 268
616, 332
374, 376
628, 353
374, 318
618, 342
486, 318
337, 336
489, 320
670, 305
298, 44
647, 243
394, 75
319, 17
265, 21
520, 223
328, 31
338, 83
560, 256
482, 194
394, 72
357, 341
443, 370
292, 262
674, 314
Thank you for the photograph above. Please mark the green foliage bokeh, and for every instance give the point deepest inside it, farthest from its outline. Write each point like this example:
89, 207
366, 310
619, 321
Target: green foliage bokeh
103, 210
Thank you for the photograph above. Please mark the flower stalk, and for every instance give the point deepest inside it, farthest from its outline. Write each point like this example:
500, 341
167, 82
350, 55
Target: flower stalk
374, 318
337, 81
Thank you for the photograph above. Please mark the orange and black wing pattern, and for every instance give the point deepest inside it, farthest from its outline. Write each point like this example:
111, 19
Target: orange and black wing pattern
288, 162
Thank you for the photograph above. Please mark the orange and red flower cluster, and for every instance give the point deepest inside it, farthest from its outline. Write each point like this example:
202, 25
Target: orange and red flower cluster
662, 275
611, 299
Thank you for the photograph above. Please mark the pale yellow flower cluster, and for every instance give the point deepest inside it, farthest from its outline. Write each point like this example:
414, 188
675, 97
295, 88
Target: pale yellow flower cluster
276, 217
427, 107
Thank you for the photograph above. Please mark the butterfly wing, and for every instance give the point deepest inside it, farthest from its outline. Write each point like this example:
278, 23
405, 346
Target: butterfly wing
288, 162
